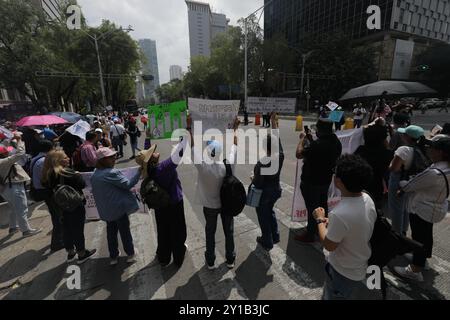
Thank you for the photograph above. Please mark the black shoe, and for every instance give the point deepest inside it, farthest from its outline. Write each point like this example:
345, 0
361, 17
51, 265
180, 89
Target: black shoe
71, 257
131, 158
259, 240
56, 247
87, 256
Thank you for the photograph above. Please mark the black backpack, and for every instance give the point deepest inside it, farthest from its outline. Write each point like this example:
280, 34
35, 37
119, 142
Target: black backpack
154, 196
66, 197
386, 244
232, 194
419, 164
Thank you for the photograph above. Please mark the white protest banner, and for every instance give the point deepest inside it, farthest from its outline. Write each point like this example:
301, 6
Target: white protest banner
91, 207
79, 129
332, 105
350, 140
265, 105
214, 114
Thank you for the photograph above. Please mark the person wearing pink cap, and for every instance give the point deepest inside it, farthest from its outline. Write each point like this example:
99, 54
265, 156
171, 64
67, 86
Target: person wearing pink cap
115, 201
12, 187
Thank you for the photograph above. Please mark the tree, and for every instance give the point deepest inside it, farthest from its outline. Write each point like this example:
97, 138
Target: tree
437, 74
335, 55
171, 92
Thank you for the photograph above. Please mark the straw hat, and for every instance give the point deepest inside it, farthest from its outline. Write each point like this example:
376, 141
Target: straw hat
144, 157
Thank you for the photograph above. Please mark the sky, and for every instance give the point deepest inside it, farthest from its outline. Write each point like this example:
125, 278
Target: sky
165, 21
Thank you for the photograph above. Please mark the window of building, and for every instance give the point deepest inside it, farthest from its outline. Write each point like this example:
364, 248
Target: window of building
395, 25
404, 27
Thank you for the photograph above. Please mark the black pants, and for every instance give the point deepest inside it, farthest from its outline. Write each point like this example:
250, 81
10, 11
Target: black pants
315, 197
171, 229
422, 232
121, 226
73, 229
57, 223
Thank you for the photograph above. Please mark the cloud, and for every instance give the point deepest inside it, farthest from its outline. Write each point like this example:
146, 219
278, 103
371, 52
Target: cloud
165, 21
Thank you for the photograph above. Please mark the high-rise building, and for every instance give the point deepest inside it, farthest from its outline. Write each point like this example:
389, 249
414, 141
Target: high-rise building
408, 27
176, 72
204, 25
146, 90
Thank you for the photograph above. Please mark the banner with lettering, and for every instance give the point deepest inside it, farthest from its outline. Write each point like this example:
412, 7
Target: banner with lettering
91, 207
350, 140
214, 114
265, 105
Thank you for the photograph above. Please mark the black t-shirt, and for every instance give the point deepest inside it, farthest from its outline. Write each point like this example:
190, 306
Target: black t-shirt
379, 158
319, 160
265, 181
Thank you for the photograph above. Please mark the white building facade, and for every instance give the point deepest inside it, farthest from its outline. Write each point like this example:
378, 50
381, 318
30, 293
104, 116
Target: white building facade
176, 72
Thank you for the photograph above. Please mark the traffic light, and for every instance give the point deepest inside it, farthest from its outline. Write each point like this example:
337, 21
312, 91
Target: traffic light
423, 67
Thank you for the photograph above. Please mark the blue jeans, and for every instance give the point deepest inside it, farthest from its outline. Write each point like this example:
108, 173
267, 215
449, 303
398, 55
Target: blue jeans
134, 146
266, 216
210, 230
121, 226
337, 287
397, 212
17, 200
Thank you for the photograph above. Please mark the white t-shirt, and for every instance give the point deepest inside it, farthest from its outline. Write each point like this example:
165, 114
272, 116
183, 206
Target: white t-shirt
351, 225
210, 179
406, 154
117, 130
361, 116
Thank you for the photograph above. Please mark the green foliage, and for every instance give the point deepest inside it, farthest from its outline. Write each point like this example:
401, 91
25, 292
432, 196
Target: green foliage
171, 92
29, 43
437, 75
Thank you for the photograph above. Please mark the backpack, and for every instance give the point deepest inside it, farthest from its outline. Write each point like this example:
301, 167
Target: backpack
232, 194
154, 196
419, 164
66, 197
386, 244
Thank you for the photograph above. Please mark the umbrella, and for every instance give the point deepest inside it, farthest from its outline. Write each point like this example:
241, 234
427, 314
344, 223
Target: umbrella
70, 117
79, 129
393, 88
45, 120
6, 133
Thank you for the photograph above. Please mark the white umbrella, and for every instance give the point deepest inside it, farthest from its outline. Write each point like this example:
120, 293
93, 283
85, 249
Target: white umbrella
393, 88
79, 129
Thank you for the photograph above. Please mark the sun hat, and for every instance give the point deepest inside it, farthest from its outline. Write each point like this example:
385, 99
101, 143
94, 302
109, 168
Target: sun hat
414, 132
105, 153
143, 158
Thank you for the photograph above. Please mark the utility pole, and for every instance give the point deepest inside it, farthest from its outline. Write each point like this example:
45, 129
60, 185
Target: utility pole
102, 85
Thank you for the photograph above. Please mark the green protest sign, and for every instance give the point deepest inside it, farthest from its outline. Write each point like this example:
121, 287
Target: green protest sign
163, 119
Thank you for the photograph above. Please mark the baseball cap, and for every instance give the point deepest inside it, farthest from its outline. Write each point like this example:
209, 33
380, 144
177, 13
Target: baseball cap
440, 142
105, 153
414, 132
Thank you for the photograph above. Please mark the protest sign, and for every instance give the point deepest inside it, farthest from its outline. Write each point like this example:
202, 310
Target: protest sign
165, 118
91, 207
265, 105
214, 114
350, 140
79, 129
332, 105
336, 116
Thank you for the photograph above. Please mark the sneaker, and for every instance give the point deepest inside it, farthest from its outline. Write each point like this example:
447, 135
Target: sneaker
13, 231
31, 232
211, 267
87, 256
406, 272
132, 158
132, 258
260, 242
230, 265
305, 238
114, 261
409, 257
71, 257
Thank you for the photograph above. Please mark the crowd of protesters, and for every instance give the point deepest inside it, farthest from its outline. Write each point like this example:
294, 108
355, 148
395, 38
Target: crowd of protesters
398, 170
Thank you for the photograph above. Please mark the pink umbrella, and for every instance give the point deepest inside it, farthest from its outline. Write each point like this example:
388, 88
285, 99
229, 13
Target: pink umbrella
40, 121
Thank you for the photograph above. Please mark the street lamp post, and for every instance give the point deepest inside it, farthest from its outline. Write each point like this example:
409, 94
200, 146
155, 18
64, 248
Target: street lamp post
246, 52
100, 70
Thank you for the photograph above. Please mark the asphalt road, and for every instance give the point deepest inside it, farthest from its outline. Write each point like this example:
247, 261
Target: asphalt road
289, 271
